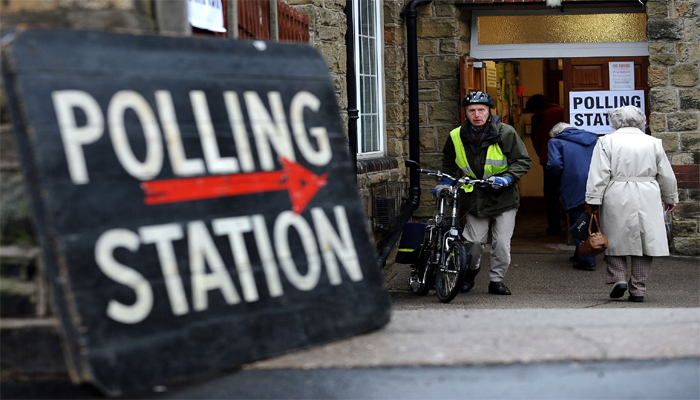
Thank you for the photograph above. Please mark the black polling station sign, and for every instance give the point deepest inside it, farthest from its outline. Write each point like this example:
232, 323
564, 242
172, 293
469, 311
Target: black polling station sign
195, 201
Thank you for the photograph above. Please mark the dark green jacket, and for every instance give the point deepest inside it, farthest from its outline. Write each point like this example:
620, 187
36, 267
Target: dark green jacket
489, 202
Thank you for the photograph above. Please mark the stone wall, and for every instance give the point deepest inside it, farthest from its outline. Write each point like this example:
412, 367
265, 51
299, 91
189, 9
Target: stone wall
673, 31
327, 27
442, 38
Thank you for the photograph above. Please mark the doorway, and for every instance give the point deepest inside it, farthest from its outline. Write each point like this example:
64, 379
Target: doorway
511, 83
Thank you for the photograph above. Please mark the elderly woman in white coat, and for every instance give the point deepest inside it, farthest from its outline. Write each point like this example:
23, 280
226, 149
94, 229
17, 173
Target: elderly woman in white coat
631, 186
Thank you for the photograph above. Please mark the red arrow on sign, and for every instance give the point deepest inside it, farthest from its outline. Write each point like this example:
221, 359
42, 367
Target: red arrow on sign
301, 183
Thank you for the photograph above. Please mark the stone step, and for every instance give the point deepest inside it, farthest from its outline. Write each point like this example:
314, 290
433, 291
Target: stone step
31, 346
19, 252
23, 287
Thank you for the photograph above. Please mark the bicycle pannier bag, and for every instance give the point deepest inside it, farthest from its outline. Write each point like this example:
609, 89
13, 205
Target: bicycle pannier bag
596, 242
410, 243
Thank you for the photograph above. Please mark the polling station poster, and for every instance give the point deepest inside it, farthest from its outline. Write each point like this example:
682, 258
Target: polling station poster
589, 110
196, 202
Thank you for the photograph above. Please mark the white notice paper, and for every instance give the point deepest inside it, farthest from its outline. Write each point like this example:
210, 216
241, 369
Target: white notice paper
491, 78
621, 75
206, 14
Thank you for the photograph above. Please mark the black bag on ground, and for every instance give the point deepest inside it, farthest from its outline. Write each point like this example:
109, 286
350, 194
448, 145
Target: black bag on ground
410, 243
580, 227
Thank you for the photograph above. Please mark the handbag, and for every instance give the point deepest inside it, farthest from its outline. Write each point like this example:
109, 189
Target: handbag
596, 242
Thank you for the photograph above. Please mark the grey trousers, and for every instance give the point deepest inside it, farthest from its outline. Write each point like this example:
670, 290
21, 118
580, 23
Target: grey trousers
476, 233
641, 269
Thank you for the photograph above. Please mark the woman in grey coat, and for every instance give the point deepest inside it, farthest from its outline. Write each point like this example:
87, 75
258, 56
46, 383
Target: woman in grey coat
631, 186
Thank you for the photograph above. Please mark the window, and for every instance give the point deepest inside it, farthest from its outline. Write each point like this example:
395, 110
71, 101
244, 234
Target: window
370, 83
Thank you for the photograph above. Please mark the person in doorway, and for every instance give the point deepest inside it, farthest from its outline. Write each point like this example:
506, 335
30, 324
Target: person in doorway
569, 157
631, 187
546, 115
485, 148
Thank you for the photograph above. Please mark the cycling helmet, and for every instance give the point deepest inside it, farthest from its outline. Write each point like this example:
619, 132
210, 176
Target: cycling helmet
477, 98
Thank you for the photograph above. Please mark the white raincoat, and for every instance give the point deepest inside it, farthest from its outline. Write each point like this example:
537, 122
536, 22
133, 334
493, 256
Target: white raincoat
631, 178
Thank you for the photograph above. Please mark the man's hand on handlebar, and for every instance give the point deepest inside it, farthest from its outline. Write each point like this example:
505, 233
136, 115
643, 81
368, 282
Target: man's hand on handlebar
498, 182
443, 189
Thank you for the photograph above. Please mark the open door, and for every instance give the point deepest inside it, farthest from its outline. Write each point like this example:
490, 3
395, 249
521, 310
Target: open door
592, 74
471, 78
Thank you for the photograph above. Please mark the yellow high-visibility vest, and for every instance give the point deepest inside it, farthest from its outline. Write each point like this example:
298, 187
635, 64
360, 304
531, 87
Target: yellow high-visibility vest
496, 161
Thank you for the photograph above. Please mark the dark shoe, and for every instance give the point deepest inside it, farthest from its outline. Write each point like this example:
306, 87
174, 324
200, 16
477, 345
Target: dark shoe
636, 299
498, 288
468, 283
618, 290
585, 267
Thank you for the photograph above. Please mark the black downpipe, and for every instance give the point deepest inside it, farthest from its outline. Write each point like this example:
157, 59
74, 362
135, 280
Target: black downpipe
353, 112
413, 124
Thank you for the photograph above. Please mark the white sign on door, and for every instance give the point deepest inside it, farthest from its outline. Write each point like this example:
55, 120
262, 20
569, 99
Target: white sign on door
621, 75
589, 110
491, 78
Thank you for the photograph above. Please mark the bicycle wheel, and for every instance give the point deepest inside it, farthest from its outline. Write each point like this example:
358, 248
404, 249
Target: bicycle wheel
424, 280
451, 272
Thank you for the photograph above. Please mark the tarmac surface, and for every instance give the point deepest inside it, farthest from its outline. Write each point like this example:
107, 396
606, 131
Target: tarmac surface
559, 335
556, 313
634, 380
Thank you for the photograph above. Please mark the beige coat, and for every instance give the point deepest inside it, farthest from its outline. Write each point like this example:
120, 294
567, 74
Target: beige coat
631, 178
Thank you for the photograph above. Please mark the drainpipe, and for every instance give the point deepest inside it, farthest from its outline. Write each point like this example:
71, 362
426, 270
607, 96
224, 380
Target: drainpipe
274, 22
412, 55
353, 112
413, 139
232, 19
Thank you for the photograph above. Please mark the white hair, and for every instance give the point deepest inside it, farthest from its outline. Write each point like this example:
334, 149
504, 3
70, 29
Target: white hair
556, 129
627, 116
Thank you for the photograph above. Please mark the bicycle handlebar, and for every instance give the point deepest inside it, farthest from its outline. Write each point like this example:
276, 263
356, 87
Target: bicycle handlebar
440, 174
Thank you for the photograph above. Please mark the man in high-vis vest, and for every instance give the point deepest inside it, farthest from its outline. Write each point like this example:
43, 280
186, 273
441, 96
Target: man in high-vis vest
486, 148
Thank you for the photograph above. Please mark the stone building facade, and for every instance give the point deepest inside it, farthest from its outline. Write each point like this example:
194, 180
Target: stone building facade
673, 31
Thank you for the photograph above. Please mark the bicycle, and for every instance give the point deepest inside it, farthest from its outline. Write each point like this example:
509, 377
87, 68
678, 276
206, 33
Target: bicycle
443, 259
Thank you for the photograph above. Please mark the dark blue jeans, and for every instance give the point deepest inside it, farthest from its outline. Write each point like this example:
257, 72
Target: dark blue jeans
574, 215
551, 191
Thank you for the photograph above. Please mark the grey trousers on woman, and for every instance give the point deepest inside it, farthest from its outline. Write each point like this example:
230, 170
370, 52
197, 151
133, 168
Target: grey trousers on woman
637, 278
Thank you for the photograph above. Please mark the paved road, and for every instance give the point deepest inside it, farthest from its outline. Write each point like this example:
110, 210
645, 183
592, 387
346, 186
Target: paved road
558, 336
542, 277
633, 380
494, 337
618, 380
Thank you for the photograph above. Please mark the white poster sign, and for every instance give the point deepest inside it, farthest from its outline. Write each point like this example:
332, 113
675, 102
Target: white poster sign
491, 78
621, 75
206, 14
589, 110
